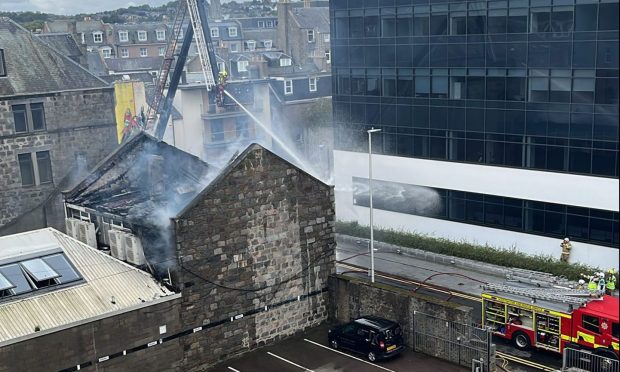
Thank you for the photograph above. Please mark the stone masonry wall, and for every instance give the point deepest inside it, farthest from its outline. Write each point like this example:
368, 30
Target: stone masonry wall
350, 299
257, 249
106, 337
80, 125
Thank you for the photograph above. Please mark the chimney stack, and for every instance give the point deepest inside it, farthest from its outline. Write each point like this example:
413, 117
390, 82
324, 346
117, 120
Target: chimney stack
306, 3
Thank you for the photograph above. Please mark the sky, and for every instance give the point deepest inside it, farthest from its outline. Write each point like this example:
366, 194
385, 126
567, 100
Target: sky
71, 7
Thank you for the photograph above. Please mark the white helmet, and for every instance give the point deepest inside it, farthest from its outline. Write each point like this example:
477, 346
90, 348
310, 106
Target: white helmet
581, 281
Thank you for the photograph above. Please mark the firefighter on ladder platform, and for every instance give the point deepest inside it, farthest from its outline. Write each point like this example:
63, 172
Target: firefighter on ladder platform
610, 286
221, 84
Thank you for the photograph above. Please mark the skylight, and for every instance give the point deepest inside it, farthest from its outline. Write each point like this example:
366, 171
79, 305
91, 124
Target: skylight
36, 273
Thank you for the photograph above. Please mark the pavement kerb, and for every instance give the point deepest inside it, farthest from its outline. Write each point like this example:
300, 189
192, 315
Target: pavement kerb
463, 263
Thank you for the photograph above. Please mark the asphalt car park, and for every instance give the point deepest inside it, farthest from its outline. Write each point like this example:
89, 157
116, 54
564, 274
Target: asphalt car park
310, 352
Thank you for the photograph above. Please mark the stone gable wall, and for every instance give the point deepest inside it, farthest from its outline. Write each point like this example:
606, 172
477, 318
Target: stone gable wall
259, 244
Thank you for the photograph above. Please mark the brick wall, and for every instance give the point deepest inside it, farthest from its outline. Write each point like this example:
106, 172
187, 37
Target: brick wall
261, 236
110, 336
79, 125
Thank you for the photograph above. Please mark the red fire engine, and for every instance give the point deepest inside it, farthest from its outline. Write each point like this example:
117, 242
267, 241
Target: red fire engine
553, 319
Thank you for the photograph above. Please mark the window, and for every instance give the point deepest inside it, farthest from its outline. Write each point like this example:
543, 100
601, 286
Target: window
241, 128
269, 24
215, 32
251, 45
144, 52
106, 52
142, 35
312, 84
242, 66
615, 330
98, 37
39, 272
328, 56
590, 323
123, 36
261, 24
267, 44
288, 87
217, 130
83, 38
310, 35
161, 51
160, 34
285, 62
2, 64
234, 47
124, 53
232, 31
28, 117
35, 168
221, 66
326, 38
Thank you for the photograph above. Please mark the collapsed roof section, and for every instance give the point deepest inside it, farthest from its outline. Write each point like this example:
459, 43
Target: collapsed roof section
145, 181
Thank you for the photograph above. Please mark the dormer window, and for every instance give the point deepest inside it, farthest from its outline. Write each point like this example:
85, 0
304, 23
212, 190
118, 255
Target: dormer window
285, 62
310, 34
123, 36
2, 64
142, 35
106, 52
268, 44
326, 38
98, 37
232, 31
242, 66
261, 24
161, 35
215, 32
251, 45
269, 24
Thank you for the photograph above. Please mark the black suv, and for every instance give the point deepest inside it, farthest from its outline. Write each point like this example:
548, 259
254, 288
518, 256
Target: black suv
375, 337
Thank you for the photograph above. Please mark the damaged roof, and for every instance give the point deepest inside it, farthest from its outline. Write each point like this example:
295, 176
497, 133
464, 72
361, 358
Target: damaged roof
33, 67
106, 286
134, 64
144, 181
64, 44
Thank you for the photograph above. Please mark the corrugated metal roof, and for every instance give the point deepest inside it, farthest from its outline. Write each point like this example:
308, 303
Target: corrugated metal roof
104, 277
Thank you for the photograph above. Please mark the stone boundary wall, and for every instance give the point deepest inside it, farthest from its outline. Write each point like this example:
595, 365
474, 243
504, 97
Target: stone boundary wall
351, 298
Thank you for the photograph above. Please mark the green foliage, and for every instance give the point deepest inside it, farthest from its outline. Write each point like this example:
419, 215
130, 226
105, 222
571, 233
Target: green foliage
497, 256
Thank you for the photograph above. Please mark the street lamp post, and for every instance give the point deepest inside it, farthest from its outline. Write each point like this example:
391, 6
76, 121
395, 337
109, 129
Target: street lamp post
372, 247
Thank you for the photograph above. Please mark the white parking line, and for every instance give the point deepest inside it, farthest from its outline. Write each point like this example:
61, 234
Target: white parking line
232, 369
347, 355
289, 362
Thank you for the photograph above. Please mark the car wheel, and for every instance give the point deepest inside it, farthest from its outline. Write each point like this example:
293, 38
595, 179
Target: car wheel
521, 340
334, 344
372, 357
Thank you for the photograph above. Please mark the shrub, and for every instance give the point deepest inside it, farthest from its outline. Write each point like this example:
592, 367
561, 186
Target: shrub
498, 256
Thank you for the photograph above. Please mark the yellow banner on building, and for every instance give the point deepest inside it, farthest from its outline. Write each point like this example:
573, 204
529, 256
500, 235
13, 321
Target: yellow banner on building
130, 108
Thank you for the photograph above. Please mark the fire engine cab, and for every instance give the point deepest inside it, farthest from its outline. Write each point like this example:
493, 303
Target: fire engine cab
552, 318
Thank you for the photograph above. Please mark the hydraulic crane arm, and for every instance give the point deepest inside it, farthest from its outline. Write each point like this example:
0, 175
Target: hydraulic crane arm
200, 29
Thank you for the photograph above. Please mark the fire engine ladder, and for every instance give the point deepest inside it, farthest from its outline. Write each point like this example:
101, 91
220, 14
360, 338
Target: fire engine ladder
164, 71
203, 45
567, 296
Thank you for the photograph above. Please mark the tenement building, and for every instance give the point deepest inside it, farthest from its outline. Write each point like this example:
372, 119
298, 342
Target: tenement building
56, 120
499, 120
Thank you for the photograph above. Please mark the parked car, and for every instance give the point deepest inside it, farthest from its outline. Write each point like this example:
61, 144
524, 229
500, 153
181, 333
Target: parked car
374, 337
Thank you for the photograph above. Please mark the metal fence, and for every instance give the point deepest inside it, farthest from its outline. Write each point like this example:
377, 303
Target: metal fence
574, 360
458, 343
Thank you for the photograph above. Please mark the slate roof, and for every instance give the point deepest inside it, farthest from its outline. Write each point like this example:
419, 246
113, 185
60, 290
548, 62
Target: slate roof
53, 309
33, 67
62, 43
141, 177
133, 64
312, 18
95, 63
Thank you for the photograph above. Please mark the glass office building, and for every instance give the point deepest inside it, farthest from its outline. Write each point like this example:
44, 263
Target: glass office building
518, 97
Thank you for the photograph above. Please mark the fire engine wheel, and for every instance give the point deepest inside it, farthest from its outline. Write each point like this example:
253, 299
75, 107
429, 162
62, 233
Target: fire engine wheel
521, 340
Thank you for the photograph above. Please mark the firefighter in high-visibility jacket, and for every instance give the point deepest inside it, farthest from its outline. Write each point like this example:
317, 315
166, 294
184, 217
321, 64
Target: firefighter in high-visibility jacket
592, 282
610, 285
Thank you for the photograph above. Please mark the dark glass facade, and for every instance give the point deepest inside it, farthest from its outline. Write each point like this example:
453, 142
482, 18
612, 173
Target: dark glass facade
588, 225
521, 83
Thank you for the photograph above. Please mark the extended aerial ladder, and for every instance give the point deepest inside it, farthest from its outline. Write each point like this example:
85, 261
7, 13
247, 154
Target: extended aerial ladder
570, 296
159, 111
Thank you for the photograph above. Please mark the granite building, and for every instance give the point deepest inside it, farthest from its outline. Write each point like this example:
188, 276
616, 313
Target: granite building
56, 120
499, 120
